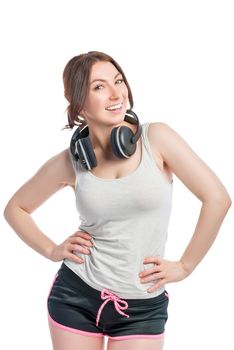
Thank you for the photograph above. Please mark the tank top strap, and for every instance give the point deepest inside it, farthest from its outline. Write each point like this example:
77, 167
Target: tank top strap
145, 128
74, 163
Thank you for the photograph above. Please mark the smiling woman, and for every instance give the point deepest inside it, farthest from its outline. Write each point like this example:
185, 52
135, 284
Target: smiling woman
113, 274
79, 81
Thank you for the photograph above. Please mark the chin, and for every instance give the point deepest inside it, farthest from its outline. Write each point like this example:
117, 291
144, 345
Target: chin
115, 118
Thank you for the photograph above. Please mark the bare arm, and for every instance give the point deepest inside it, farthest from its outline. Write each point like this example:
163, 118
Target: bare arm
204, 184
54, 175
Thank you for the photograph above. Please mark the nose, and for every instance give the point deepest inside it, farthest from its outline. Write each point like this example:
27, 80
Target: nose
115, 93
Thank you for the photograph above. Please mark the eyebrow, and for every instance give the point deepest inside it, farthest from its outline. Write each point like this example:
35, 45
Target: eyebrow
104, 79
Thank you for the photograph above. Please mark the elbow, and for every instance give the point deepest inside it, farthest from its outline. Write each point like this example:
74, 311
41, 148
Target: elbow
13, 209
223, 201
226, 201
9, 210
226, 205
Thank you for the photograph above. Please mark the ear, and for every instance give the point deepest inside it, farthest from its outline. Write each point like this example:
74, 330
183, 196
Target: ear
82, 113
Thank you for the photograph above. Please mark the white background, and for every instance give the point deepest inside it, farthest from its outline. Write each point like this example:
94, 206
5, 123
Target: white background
178, 57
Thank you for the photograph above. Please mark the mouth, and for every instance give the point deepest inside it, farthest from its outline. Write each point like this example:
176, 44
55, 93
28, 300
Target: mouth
115, 108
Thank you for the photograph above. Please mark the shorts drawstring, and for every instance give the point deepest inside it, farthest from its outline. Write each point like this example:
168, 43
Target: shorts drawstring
106, 294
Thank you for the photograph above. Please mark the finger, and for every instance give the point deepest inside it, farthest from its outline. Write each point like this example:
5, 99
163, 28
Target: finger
152, 277
147, 272
78, 247
82, 234
153, 259
156, 286
79, 240
74, 258
160, 275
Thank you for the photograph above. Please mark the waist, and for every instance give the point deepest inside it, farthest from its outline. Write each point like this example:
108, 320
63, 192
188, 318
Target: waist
125, 287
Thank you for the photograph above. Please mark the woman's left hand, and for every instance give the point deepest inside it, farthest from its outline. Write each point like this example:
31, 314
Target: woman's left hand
163, 272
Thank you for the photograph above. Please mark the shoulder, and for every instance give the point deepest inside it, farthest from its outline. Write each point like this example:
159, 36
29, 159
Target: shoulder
185, 163
56, 173
157, 129
158, 133
169, 143
59, 160
65, 163
60, 167
162, 137
157, 136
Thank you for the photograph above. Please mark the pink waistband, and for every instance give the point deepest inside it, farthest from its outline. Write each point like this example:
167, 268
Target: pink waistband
108, 296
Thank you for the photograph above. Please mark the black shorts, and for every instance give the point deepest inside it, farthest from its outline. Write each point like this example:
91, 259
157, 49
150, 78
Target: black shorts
76, 307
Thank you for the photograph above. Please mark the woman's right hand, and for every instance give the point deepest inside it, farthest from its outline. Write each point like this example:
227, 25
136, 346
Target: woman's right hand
73, 243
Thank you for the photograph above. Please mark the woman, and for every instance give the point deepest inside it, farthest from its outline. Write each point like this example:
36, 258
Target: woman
113, 275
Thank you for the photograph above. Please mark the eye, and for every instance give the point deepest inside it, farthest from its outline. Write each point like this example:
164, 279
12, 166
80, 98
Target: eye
97, 87
100, 86
119, 81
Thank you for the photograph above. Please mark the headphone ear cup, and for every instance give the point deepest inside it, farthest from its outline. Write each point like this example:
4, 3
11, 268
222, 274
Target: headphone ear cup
82, 150
121, 142
86, 153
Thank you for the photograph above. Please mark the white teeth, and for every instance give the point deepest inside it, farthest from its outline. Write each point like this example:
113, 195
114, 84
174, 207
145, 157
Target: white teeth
112, 108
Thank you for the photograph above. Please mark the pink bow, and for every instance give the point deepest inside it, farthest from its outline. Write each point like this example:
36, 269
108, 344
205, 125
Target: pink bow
105, 294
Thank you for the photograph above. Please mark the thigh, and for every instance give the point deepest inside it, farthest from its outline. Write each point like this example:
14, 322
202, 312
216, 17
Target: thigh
63, 340
72, 306
136, 344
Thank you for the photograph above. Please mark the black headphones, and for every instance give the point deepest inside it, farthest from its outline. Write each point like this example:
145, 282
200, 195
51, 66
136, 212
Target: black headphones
123, 142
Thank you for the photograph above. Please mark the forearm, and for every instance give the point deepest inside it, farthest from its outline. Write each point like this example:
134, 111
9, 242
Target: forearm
25, 227
209, 222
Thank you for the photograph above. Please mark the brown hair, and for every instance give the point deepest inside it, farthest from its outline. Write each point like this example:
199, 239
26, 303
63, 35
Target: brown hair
76, 79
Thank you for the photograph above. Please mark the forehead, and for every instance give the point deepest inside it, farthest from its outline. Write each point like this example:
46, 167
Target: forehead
103, 70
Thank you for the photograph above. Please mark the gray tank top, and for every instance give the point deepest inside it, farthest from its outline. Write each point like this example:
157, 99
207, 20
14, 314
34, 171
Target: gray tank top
128, 219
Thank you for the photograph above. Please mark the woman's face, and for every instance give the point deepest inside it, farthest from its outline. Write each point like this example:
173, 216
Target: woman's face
107, 98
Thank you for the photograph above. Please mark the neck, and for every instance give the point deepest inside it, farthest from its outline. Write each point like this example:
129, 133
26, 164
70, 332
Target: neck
100, 136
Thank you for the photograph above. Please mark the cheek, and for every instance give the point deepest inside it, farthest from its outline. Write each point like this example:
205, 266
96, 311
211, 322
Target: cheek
125, 91
96, 100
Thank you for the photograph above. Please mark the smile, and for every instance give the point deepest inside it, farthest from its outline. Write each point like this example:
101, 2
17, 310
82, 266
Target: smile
114, 107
